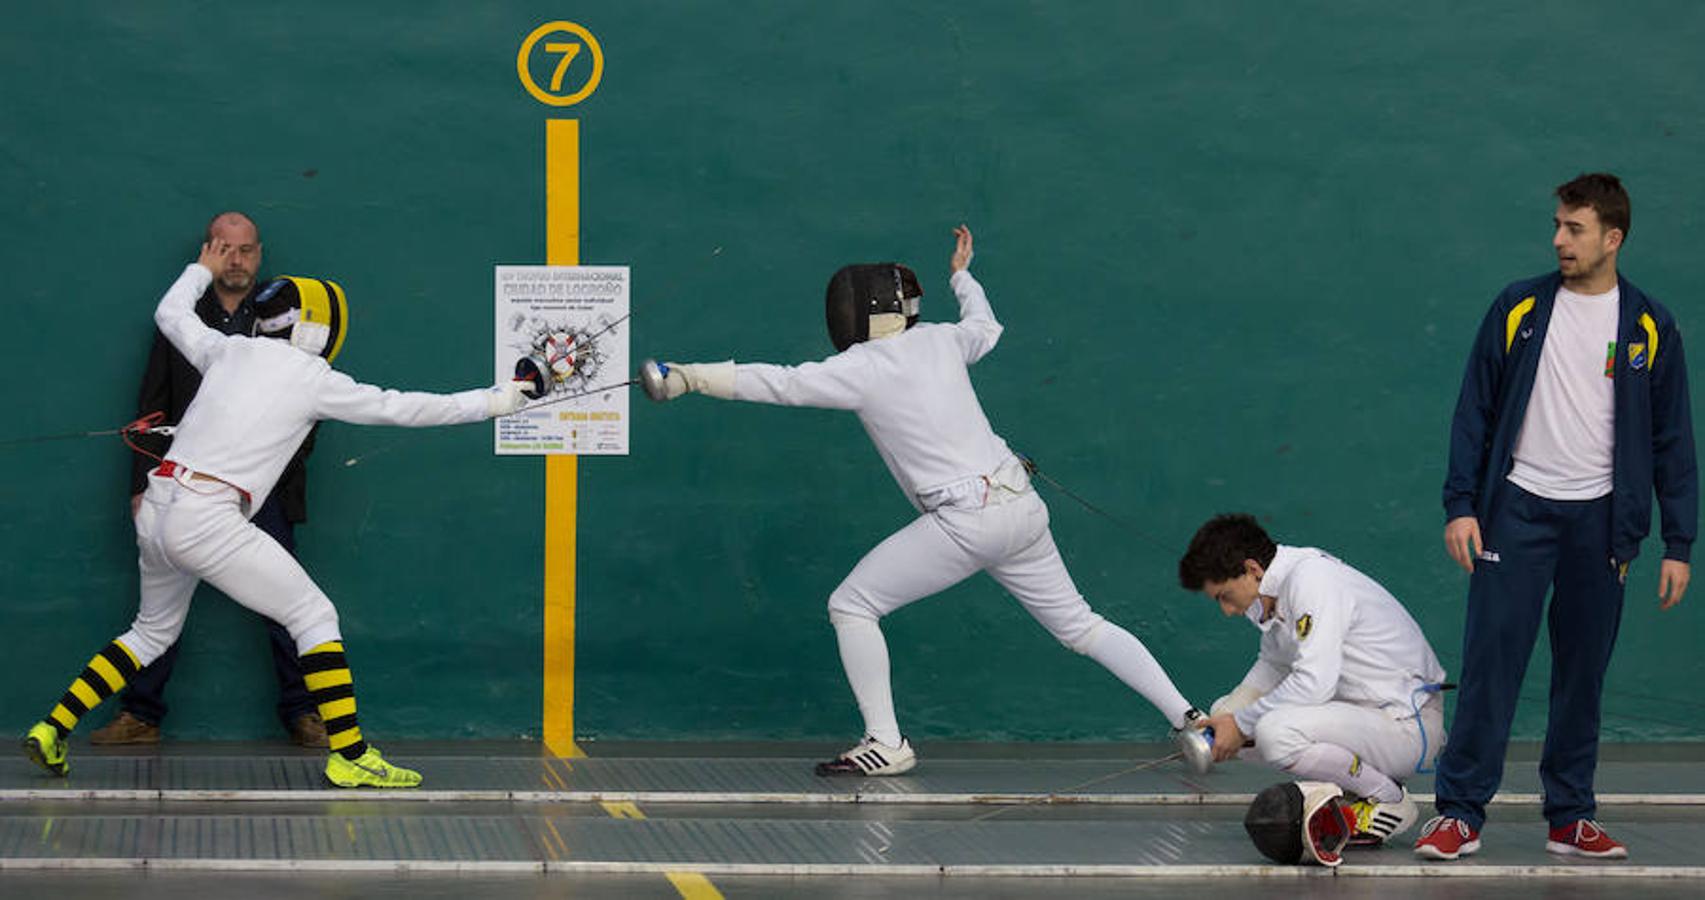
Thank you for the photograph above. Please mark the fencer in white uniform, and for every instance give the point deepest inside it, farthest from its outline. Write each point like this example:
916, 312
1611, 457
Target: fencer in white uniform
1345, 688
909, 385
227, 453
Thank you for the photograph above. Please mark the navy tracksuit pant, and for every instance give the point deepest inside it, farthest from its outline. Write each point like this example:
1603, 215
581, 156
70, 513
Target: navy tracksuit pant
1557, 545
145, 696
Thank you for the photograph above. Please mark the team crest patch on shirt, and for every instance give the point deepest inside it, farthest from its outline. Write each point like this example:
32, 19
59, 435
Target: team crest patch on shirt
1636, 356
1304, 626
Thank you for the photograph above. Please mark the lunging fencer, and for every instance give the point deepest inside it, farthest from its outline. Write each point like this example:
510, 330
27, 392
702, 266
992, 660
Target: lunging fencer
1345, 687
910, 386
227, 455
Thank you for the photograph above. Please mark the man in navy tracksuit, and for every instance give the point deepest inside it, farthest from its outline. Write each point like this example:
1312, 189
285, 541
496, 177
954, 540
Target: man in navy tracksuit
1573, 409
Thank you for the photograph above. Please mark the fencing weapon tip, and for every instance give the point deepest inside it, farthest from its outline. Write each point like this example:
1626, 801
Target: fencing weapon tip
651, 378
1196, 747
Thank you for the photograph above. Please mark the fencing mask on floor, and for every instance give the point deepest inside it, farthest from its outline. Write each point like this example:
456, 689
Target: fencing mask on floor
1296, 822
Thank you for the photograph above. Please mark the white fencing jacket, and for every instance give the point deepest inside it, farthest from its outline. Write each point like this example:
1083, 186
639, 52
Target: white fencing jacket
911, 391
1336, 635
260, 396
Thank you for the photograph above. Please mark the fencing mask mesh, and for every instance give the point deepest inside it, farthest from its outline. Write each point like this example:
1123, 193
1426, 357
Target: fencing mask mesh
860, 291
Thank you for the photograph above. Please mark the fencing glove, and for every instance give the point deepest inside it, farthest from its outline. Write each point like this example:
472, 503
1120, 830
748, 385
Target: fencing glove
505, 398
666, 381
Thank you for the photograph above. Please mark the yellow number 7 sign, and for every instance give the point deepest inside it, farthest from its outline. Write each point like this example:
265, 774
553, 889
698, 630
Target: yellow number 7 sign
568, 50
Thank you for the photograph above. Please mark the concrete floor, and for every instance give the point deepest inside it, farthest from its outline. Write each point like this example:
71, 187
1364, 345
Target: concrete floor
501, 820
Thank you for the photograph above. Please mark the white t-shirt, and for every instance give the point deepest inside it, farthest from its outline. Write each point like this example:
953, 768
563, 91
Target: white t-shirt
911, 391
1564, 450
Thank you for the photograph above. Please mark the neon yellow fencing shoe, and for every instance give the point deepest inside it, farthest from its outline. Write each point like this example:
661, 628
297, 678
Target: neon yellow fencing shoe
46, 748
369, 770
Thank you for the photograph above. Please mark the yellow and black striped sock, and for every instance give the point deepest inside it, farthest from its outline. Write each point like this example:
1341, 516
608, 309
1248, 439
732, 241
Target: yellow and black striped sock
326, 674
104, 676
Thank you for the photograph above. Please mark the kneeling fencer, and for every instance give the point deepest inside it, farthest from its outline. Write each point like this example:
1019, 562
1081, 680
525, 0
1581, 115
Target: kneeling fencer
227, 454
909, 385
1345, 689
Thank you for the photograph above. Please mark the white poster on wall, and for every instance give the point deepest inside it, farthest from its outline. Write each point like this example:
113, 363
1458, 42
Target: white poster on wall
570, 323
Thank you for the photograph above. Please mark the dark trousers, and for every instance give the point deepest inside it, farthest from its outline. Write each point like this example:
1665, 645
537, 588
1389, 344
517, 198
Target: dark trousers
1563, 546
145, 696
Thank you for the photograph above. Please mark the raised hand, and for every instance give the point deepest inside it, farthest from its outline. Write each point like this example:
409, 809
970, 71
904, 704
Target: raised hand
213, 254
962, 252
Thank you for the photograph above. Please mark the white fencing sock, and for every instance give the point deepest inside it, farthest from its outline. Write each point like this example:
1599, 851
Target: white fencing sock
1122, 654
1330, 762
864, 656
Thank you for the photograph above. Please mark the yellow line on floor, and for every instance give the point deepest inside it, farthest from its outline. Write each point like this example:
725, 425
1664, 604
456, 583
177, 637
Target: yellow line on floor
690, 885
693, 886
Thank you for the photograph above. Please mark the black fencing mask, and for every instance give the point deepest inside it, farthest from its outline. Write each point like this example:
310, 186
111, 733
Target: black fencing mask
858, 292
1296, 822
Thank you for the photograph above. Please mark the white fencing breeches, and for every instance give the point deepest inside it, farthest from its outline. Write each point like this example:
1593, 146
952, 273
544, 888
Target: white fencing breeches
192, 530
946, 546
1361, 748
1011, 541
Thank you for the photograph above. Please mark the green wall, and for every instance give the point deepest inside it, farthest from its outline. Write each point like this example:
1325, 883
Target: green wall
1240, 250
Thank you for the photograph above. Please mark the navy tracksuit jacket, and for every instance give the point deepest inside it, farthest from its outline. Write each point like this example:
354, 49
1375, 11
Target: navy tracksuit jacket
1578, 549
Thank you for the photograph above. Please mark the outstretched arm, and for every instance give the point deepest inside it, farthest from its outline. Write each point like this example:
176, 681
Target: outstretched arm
347, 400
834, 383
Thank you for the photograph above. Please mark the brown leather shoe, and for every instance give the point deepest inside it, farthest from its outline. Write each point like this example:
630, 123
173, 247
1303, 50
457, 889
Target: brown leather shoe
309, 730
125, 729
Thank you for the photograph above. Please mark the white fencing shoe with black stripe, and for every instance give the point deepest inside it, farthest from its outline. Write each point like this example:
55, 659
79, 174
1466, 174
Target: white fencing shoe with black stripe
1378, 822
872, 757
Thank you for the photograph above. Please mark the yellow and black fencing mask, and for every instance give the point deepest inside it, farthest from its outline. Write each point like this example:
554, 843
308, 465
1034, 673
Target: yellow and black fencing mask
311, 312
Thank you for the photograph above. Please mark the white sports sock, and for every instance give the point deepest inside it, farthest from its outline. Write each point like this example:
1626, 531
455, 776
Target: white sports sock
1330, 762
1126, 657
864, 656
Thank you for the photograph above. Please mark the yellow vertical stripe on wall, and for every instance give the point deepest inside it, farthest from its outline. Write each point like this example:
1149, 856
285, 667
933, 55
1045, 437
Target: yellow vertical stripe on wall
562, 248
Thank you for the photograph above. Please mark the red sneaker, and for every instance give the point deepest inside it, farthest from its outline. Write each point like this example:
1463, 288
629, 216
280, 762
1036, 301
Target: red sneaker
1446, 838
1584, 838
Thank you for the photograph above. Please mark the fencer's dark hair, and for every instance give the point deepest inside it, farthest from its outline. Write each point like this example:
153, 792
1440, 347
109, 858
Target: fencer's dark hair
207, 233
1219, 548
1604, 193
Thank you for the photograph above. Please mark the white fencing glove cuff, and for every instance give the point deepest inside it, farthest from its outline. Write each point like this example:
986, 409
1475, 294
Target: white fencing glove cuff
710, 379
505, 398
1240, 697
